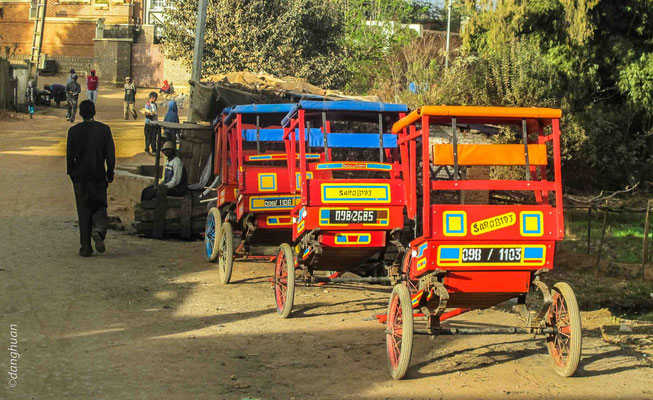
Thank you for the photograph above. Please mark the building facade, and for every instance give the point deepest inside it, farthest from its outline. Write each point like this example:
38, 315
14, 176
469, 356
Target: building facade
116, 37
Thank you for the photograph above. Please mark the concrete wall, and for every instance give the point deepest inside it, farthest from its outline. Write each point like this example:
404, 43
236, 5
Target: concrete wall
177, 74
64, 63
113, 59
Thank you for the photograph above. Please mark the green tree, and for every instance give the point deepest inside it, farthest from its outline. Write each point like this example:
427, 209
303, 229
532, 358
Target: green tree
599, 53
299, 38
373, 30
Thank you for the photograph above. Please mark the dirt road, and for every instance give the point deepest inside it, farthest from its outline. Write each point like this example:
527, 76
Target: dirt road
149, 319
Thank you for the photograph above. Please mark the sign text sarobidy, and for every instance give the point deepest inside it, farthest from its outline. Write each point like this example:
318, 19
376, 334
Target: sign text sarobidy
493, 223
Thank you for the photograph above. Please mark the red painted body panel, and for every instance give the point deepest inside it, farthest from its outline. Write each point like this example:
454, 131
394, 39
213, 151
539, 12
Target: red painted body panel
494, 222
353, 239
273, 221
335, 192
488, 282
227, 194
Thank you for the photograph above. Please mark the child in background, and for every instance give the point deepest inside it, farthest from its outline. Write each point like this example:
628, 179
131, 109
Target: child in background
151, 131
30, 95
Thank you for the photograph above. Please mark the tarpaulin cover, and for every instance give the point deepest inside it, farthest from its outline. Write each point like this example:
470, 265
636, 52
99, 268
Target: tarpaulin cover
285, 86
316, 139
220, 91
209, 99
344, 106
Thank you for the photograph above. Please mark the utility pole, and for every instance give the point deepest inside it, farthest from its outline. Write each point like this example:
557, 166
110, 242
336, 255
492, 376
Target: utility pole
446, 60
198, 51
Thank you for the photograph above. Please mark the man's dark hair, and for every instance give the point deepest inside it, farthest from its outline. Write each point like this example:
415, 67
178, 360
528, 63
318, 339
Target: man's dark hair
153, 95
87, 109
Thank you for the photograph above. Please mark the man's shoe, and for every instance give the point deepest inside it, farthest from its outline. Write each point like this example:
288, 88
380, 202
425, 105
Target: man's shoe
99, 242
85, 253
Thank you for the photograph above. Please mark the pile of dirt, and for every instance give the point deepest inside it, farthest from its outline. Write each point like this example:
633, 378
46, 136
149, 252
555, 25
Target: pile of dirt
263, 82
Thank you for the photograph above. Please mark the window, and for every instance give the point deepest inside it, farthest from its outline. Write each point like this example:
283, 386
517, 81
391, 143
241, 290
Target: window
32, 9
157, 4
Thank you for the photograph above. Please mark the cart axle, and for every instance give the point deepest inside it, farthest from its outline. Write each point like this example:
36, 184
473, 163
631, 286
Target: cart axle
369, 279
484, 331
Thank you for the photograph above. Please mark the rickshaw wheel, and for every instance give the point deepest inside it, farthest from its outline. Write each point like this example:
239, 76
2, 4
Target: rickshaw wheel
211, 233
399, 331
564, 346
284, 280
226, 252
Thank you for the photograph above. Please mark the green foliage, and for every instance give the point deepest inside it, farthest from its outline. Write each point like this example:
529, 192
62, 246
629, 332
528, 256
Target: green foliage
328, 43
599, 54
374, 29
592, 58
636, 83
299, 38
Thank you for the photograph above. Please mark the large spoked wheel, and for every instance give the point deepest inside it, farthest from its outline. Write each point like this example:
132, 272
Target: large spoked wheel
226, 252
284, 280
399, 333
211, 233
565, 345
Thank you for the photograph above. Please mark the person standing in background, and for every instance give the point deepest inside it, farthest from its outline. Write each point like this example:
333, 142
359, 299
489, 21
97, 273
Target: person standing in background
70, 76
30, 96
130, 98
72, 95
151, 130
89, 148
171, 116
92, 82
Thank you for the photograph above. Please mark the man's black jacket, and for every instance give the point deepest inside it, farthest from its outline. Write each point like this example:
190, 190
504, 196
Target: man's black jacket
90, 145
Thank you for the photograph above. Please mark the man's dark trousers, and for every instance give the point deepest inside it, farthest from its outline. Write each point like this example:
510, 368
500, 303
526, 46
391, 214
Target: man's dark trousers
72, 109
91, 199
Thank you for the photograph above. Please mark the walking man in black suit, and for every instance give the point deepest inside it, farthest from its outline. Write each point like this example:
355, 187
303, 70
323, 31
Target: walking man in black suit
90, 148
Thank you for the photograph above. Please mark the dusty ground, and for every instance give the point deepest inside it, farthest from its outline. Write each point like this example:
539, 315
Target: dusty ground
149, 319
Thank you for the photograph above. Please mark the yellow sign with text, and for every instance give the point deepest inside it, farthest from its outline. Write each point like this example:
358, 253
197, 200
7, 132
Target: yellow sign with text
493, 223
355, 193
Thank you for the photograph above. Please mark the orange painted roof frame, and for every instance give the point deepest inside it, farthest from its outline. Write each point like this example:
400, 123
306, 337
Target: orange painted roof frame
478, 112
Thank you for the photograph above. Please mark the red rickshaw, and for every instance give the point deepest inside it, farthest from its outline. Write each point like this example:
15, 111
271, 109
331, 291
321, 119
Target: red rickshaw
468, 257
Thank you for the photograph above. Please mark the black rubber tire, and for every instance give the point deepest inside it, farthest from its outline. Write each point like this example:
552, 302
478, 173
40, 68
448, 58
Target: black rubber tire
568, 366
217, 225
286, 255
402, 294
226, 252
